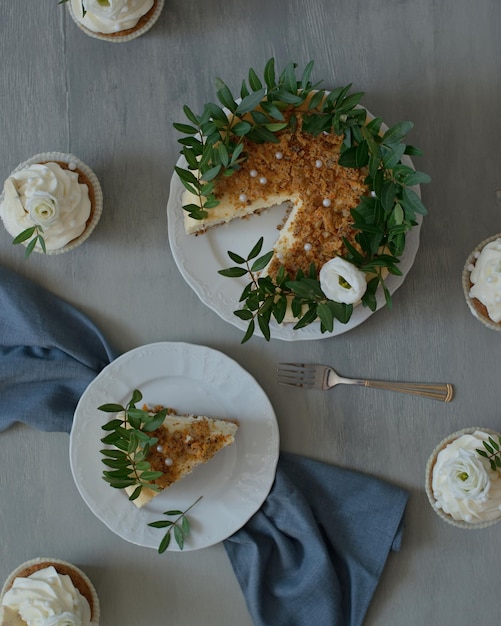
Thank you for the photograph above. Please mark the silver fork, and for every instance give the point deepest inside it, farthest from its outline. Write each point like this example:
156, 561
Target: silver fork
310, 376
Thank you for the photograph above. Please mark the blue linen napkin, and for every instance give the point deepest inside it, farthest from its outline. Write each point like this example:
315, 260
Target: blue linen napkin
49, 353
315, 550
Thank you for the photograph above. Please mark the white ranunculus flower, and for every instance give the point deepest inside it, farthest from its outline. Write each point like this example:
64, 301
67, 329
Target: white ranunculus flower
467, 476
110, 9
43, 208
342, 282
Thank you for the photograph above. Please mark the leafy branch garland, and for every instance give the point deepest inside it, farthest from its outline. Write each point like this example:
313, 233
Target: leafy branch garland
130, 436
492, 453
213, 147
35, 232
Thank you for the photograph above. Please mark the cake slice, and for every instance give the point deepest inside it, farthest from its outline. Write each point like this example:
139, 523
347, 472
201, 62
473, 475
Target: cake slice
184, 442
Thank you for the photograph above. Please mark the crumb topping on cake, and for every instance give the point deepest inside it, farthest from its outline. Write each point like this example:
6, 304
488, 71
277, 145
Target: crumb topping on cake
304, 170
195, 443
307, 169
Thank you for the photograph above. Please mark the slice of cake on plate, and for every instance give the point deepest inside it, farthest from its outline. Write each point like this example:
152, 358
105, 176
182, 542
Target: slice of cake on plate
184, 443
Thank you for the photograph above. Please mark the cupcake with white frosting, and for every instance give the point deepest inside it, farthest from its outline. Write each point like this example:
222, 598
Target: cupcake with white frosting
115, 20
482, 282
51, 203
48, 591
463, 479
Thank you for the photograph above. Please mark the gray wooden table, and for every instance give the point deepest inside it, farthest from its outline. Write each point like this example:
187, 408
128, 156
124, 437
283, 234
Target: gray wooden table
436, 64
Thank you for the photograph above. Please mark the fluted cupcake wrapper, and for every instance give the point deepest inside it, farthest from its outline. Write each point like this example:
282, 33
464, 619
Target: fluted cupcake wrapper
131, 33
429, 476
97, 201
28, 567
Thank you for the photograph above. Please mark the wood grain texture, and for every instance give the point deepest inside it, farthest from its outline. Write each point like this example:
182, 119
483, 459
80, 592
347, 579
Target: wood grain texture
435, 63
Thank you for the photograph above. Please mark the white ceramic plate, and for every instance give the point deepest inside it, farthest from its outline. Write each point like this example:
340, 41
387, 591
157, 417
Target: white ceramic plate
190, 379
199, 258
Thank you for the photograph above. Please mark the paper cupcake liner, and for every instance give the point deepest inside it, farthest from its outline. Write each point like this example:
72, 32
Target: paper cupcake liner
470, 261
97, 204
129, 34
40, 563
428, 480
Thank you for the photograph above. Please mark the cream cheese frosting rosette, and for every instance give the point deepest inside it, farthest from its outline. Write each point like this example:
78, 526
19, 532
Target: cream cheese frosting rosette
48, 592
115, 20
462, 486
54, 195
482, 282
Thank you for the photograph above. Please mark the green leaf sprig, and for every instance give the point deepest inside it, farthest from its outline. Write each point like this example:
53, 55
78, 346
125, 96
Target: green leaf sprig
34, 232
180, 527
213, 147
492, 453
131, 440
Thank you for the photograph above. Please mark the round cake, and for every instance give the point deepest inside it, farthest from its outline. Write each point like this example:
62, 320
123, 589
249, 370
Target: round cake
346, 178
51, 203
44, 588
463, 480
116, 21
482, 282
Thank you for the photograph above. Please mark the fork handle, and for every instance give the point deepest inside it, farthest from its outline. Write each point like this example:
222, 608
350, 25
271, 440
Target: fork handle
434, 391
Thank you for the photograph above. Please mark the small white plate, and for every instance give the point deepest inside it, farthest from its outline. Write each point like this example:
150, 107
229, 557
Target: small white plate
199, 258
191, 379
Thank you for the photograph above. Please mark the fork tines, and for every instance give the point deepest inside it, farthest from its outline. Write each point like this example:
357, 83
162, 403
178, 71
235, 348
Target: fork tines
295, 374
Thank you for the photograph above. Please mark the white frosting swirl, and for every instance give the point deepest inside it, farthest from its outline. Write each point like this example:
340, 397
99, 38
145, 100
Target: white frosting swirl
341, 281
47, 196
110, 16
463, 483
47, 598
486, 279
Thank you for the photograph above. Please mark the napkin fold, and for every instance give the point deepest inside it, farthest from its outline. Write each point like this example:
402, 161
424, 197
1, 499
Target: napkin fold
315, 550
49, 353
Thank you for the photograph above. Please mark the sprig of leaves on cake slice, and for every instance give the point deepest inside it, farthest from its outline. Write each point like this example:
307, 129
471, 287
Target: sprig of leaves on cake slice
131, 440
492, 453
213, 147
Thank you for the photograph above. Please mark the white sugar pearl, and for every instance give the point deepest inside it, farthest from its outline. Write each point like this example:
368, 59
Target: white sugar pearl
160, 448
168, 462
253, 173
318, 163
373, 194
278, 155
326, 202
242, 197
263, 180
307, 247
